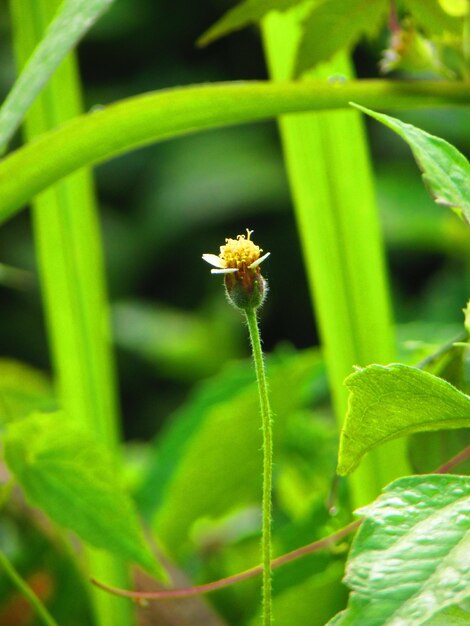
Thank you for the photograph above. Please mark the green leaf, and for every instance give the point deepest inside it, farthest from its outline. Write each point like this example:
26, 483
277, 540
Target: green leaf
241, 15
23, 390
392, 401
446, 172
209, 461
72, 21
73, 480
409, 563
333, 26
454, 616
431, 17
185, 350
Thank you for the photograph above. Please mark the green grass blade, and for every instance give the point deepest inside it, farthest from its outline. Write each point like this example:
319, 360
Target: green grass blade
70, 24
72, 276
331, 182
139, 121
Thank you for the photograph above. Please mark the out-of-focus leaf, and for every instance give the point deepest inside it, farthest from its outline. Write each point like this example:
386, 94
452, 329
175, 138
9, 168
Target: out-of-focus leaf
333, 26
176, 342
306, 462
73, 479
243, 14
410, 218
456, 7
210, 459
431, 17
73, 20
392, 401
446, 172
23, 390
409, 561
431, 449
467, 317
324, 591
425, 344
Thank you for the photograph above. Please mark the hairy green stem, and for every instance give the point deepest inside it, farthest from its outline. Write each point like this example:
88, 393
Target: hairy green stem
267, 461
121, 127
22, 585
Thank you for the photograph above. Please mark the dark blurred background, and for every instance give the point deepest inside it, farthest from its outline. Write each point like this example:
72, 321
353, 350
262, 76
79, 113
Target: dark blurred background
163, 206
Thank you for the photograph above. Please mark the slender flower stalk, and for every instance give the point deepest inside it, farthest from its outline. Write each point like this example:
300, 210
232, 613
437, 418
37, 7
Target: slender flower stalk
267, 461
239, 262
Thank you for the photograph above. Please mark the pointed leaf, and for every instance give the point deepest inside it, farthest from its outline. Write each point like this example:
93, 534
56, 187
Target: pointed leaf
241, 15
446, 172
392, 401
73, 480
409, 562
333, 26
72, 21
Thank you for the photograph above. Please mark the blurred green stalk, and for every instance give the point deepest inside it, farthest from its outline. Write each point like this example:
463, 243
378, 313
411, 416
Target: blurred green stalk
331, 183
43, 614
72, 276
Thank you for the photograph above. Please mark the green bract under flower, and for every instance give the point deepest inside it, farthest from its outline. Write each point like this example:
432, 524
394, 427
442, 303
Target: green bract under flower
239, 260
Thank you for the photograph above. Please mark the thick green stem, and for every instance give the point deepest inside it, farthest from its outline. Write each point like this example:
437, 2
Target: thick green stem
22, 585
139, 121
267, 461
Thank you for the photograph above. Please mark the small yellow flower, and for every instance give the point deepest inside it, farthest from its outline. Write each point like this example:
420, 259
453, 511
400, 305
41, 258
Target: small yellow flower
239, 260
236, 255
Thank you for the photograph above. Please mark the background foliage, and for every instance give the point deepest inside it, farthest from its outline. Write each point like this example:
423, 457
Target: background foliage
186, 388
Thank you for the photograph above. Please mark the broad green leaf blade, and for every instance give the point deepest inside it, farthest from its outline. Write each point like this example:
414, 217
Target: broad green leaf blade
333, 26
73, 20
392, 401
241, 15
72, 478
446, 172
23, 390
210, 460
409, 562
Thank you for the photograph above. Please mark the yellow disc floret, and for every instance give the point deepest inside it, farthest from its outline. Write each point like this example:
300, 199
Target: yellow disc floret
240, 252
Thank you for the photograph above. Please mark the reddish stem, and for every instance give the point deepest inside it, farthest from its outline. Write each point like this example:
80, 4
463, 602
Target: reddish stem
236, 578
455, 460
187, 592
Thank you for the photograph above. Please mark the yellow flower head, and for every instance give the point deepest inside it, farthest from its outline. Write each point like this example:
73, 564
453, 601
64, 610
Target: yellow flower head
236, 255
239, 260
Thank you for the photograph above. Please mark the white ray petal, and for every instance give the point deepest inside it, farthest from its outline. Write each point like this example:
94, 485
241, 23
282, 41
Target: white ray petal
229, 270
259, 261
213, 259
